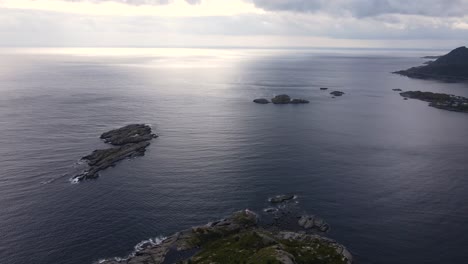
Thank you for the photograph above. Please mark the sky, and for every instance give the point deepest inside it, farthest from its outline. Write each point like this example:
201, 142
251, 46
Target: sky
427, 24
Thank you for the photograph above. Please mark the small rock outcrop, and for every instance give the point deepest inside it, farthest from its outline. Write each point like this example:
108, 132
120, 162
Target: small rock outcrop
130, 141
439, 100
337, 93
452, 67
281, 198
312, 221
281, 99
261, 101
397, 90
323, 88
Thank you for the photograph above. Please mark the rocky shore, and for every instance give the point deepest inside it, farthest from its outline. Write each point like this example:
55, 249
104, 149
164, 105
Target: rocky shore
280, 236
439, 100
129, 141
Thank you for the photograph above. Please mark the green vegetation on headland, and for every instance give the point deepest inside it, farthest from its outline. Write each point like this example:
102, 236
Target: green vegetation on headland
240, 239
452, 67
439, 100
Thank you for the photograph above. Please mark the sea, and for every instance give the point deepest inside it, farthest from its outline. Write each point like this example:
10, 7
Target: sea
389, 175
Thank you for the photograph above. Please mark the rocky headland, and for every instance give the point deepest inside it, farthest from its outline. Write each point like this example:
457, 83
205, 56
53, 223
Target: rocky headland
439, 100
129, 141
452, 67
280, 236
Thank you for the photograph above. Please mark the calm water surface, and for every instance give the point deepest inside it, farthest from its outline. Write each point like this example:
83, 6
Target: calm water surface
389, 175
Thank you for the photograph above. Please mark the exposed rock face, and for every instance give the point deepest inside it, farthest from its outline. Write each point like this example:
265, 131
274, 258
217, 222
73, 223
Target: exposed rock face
439, 100
128, 134
337, 93
131, 141
452, 67
312, 221
281, 99
299, 101
261, 101
240, 239
281, 198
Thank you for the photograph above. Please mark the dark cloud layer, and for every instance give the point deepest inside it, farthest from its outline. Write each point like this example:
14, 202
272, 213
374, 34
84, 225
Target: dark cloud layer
368, 8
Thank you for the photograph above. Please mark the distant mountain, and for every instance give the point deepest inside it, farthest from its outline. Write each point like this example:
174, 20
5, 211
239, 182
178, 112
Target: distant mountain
452, 67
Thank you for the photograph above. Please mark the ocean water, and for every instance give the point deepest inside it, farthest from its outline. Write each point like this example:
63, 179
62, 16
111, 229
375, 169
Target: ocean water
389, 175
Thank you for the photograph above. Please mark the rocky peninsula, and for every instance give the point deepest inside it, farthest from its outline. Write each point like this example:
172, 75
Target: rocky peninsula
129, 141
452, 67
439, 100
280, 236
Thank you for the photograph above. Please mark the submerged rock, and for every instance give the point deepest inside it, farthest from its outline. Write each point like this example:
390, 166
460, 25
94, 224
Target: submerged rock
281, 198
299, 101
337, 93
131, 141
240, 239
281, 99
270, 210
261, 101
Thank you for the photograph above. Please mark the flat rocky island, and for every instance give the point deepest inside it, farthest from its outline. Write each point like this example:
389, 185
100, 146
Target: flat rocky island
129, 141
281, 99
439, 100
279, 237
452, 67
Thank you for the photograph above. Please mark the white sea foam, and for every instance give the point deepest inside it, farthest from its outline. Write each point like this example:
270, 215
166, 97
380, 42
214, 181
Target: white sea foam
139, 247
74, 180
149, 243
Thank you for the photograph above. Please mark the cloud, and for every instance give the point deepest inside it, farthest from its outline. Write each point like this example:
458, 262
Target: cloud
229, 22
154, 8
369, 8
137, 2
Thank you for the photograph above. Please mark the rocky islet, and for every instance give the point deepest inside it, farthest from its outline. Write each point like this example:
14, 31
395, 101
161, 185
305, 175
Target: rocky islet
129, 141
